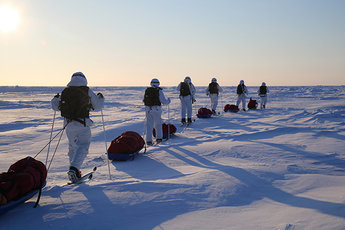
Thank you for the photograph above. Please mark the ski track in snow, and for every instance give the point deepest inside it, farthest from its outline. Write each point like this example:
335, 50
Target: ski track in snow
279, 168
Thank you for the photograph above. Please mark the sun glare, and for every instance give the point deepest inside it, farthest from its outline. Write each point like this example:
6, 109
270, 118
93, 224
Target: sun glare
9, 19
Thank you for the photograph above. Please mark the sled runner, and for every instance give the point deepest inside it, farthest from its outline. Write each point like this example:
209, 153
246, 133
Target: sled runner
167, 128
231, 108
204, 113
22, 181
126, 146
14, 203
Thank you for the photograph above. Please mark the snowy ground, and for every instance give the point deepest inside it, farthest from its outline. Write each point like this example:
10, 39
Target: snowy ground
279, 168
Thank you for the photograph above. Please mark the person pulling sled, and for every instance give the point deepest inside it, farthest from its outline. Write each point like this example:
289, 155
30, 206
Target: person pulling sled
213, 91
187, 92
262, 92
75, 103
242, 92
153, 99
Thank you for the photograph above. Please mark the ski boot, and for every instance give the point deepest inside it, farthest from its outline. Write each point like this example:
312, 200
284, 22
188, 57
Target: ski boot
149, 143
74, 174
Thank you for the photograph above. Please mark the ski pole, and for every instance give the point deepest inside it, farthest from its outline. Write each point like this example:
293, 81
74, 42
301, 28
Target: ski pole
51, 161
50, 138
168, 123
106, 147
145, 132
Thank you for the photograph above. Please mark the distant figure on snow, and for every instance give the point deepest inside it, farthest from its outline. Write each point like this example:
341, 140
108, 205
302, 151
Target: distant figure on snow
262, 92
213, 91
153, 99
75, 103
187, 92
242, 92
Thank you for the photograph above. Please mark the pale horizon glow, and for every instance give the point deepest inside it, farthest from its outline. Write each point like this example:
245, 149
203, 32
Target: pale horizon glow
127, 43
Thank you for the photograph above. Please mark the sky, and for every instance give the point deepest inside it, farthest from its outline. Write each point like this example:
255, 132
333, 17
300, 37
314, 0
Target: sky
127, 43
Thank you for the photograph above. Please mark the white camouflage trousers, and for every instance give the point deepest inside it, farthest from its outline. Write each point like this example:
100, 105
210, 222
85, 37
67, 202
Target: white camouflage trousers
263, 101
241, 98
79, 138
214, 100
186, 106
153, 120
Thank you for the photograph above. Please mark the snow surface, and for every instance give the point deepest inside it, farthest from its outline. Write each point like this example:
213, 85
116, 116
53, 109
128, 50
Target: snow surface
279, 168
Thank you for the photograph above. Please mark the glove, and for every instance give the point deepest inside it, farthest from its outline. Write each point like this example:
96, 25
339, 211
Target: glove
193, 100
57, 95
100, 95
207, 94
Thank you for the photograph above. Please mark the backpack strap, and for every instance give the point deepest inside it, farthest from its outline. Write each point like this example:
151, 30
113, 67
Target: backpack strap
82, 121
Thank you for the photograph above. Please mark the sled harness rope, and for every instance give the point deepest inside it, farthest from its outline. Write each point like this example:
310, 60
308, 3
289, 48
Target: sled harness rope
60, 132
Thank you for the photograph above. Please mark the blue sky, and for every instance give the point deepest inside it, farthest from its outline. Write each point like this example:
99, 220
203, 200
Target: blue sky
127, 43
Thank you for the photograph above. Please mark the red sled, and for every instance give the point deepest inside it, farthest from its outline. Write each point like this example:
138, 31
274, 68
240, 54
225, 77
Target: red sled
126, 146
231, 108
252, 104
204, 113
167, 128
23, 180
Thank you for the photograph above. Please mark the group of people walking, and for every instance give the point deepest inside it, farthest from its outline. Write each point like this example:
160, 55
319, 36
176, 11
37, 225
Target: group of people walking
154, 98
76, 100
242, 93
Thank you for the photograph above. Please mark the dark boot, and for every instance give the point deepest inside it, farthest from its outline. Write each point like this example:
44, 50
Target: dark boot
183, 120
189, 120
73, 174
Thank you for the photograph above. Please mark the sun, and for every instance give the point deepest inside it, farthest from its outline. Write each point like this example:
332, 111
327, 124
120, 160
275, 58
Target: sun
9, 19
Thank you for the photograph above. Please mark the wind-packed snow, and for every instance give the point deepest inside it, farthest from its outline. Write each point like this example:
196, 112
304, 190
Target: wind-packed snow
279, 168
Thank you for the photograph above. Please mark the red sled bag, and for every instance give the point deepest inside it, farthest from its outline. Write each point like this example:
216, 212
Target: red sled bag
21, 178
231, 108
252, 104
126, 146
167, 128
204, 113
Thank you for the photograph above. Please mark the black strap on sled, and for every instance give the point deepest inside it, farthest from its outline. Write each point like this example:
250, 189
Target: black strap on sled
39, 195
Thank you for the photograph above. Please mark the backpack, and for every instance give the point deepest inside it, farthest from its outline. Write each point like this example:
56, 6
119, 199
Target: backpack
213, 87
204, 113
263, 89
231, 108
126, 146
151, 97
167, 128
184, 89
75, 102
240, 89
21, 178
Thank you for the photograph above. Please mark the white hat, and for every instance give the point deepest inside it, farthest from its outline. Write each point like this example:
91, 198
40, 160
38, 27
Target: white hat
187, 79
78, 79
78, 74
155, 82
214, 79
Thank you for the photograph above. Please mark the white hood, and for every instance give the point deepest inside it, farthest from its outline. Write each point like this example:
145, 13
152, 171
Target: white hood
78, 80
